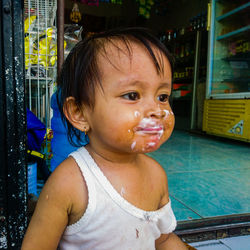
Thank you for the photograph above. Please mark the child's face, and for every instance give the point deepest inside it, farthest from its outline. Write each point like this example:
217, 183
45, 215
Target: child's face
132, 112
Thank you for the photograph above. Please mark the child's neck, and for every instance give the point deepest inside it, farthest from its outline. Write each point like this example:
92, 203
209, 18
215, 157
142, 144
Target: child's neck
112, 157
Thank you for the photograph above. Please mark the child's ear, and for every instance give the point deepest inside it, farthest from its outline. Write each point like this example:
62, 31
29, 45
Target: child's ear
75, 115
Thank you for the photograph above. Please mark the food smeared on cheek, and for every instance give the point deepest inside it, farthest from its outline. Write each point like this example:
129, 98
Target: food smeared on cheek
166, 113
137, 113
150, 131
151, 144
154, 140
133, 145
148, 126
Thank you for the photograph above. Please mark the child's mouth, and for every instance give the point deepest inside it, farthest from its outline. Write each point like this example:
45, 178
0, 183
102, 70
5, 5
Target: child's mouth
149, 126
149, 130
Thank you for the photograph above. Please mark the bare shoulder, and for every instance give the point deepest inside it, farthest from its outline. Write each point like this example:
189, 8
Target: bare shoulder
66, 179
68, 183
159, 176
63, 199
155, 168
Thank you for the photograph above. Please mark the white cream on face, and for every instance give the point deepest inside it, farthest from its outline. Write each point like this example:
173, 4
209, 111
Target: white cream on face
137, 113
152, 127
151, 144
160, 133
147, 122
166, 113
149, 126
133, 145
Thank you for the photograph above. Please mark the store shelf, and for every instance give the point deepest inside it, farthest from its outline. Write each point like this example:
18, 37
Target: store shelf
238, 57
186, 60
244, 7
188, 36
186, 80
234, 33
238, 80
182, 98
225, 1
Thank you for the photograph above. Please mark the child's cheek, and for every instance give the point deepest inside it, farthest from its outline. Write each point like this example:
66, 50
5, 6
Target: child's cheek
169, 125
151, 143
170, 119
137, 114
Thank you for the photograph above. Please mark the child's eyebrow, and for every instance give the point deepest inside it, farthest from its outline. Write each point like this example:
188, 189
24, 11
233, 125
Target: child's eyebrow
128, 81
133, 83
166, 85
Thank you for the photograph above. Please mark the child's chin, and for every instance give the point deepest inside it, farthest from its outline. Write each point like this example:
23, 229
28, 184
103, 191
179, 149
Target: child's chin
147, 146
150, 148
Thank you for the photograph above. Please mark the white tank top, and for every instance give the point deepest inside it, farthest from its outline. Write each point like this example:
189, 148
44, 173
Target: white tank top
110, 222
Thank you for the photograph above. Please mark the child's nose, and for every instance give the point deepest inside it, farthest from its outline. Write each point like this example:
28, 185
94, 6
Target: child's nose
156, 112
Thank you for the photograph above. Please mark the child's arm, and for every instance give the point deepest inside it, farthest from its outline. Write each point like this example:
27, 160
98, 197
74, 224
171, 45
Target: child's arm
55, 205
169, 242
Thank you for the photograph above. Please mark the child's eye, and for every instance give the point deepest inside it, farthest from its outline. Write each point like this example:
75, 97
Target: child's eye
132, 96
163, 97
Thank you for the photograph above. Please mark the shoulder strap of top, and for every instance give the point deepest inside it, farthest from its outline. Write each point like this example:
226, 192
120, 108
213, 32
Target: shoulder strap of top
88, 177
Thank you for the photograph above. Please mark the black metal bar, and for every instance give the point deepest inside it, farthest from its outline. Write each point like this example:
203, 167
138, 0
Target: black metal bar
60, 34
13, 170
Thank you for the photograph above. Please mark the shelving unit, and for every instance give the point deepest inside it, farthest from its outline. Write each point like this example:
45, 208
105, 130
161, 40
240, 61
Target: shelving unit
190, 56
234, 33
182, 49
245, 7
228, 85
245, 56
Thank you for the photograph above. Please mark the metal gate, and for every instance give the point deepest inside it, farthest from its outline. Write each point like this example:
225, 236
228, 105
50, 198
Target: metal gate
40, 55
13, 177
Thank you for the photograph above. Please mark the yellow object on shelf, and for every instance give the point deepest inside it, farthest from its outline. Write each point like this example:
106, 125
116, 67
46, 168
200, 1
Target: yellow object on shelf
227, 118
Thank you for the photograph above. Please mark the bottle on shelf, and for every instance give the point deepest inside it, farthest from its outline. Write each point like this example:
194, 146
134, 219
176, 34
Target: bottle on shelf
169, 35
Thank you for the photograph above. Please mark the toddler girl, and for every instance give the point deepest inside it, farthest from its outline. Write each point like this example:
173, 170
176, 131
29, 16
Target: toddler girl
109, 195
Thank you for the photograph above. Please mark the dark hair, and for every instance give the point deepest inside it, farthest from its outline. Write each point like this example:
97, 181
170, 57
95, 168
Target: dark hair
80, 73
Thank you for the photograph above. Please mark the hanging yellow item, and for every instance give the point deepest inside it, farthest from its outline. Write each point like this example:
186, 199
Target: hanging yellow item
28, 22
75, 15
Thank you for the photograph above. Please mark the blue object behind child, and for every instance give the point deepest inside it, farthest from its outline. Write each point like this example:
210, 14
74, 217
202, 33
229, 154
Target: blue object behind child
60, 144
35, 132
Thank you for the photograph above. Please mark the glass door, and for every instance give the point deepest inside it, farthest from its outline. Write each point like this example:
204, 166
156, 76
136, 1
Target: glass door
229, 64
